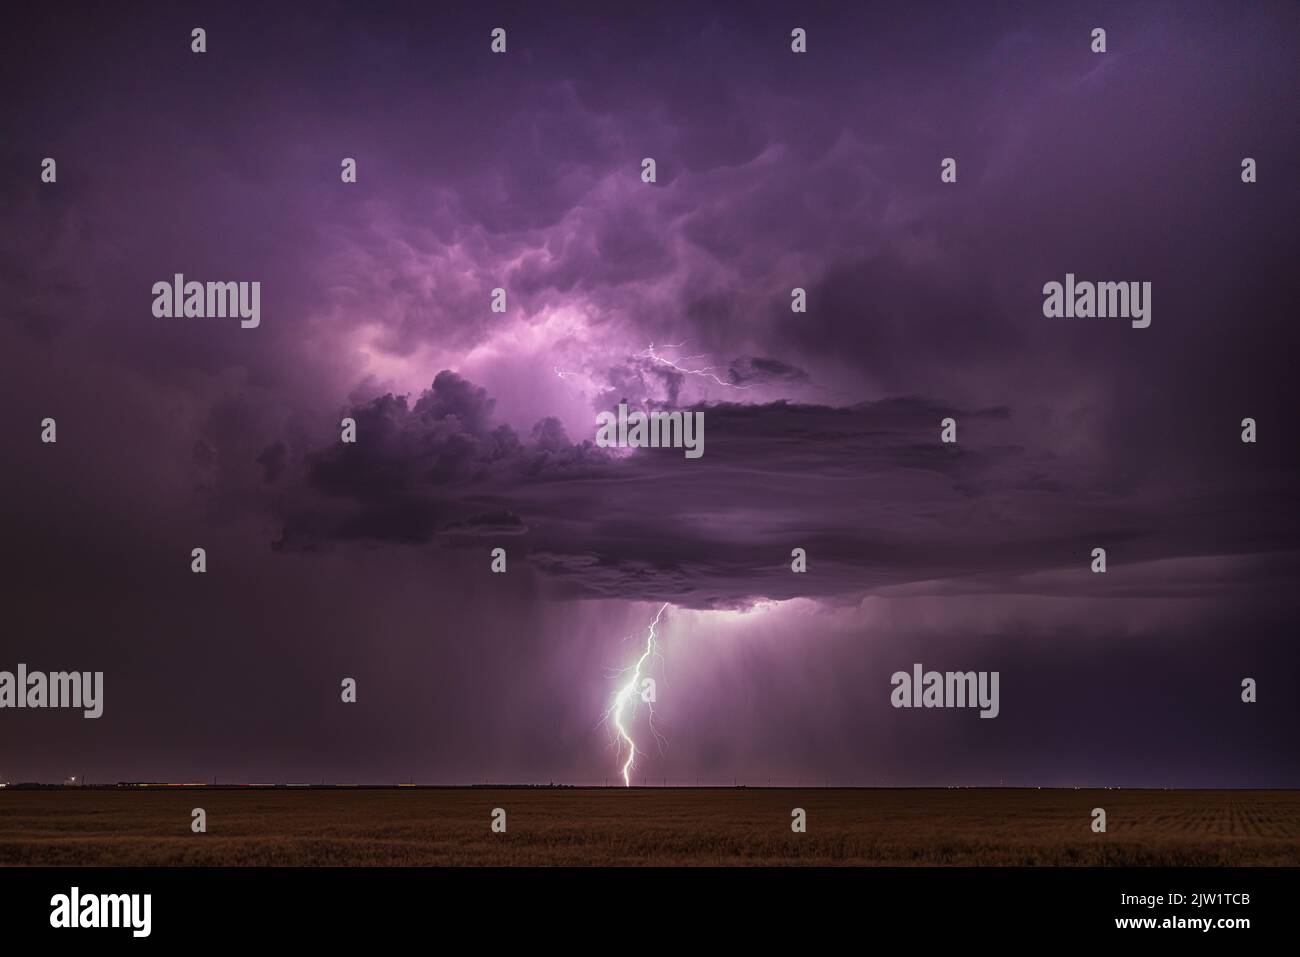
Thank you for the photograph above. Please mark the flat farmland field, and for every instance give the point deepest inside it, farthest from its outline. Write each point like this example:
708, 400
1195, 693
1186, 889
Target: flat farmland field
656, 826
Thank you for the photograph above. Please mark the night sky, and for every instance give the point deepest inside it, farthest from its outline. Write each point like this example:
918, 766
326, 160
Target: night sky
476, 429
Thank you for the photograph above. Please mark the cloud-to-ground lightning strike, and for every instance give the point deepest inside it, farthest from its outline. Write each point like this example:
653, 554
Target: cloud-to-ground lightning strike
650, 353
626, 696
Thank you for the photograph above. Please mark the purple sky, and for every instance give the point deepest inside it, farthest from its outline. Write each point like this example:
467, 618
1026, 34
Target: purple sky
775, 170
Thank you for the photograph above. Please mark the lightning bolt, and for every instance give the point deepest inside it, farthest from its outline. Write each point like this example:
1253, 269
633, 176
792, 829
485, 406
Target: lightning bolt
626, 696
707, 371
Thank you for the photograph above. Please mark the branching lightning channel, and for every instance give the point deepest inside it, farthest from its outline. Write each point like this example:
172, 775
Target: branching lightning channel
651, 353
624, 706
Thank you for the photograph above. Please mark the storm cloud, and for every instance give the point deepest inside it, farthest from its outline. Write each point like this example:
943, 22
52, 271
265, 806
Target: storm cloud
475, 428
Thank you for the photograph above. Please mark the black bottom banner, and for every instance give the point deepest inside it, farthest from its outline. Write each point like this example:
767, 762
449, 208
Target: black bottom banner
326, 906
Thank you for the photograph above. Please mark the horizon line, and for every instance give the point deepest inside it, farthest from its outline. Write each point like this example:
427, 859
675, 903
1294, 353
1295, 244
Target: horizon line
287, 786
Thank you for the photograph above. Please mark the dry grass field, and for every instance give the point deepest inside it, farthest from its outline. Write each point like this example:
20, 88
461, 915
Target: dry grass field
416, 826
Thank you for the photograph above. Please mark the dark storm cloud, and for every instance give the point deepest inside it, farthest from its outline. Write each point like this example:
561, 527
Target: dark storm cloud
753, 369
868, 491
439, 464
273, 460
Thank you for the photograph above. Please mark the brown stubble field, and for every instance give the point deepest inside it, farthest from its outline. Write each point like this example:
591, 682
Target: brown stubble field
417, 826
